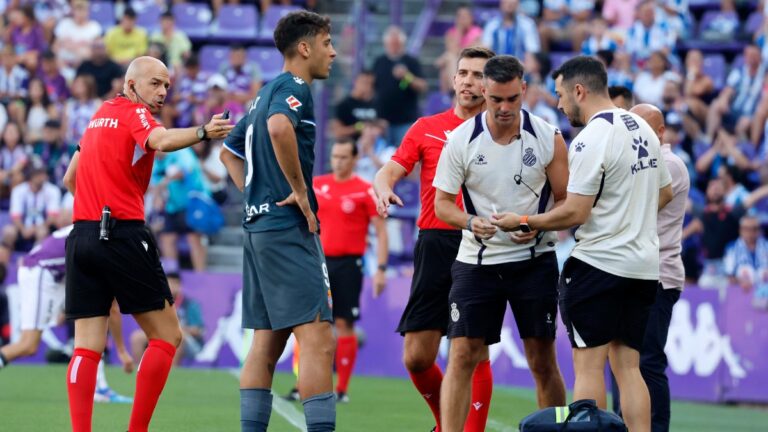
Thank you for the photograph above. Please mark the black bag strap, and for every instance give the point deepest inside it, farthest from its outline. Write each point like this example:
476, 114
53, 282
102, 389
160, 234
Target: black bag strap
579, 406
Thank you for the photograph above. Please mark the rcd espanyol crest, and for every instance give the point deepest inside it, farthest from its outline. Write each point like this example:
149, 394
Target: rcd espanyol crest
454, 313
529, 159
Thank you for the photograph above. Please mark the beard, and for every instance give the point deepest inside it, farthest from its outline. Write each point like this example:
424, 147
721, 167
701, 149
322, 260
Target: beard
574, 118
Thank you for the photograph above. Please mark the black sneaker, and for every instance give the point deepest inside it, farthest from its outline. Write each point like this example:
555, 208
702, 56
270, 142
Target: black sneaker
434, 429
342, 397
293, 395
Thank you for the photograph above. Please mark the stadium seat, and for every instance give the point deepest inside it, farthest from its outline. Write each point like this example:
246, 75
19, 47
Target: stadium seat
482, 16
558, 58
754, 21
698, 5
237, 23
718, 25
149, 18
270, 61
213, 56
440, 27
714, 66
270, 19
103, 12
193, 19
437, 102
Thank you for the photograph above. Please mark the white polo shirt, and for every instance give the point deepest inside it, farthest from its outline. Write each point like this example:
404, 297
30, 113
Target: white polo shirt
483, 172
617, 158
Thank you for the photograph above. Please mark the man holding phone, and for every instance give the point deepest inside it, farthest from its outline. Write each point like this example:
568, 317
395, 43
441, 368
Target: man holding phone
502, 159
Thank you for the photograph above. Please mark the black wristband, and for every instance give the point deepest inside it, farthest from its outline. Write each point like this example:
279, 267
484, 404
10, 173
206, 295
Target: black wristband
382, 267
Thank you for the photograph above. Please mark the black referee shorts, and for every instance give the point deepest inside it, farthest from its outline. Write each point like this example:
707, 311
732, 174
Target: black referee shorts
126, 267
346, 276
433, 256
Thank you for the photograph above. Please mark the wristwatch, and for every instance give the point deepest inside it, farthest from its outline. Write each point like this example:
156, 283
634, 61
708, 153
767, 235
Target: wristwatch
524, 227
202, 134
382, 267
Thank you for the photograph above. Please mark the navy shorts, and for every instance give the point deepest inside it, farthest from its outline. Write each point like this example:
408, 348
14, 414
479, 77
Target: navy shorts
346, 276
599, 307
285, 279
480, 293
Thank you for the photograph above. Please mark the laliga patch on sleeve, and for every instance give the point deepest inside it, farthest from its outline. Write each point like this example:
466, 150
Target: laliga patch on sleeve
629, 122
293, 103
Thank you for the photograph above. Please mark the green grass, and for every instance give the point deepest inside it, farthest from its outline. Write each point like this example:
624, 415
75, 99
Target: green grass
34, 398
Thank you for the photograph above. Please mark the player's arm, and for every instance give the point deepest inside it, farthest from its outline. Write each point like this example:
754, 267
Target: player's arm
232, 153
71, 174
448, 212
382, 255
383, 184
235, 167
169, 140
283, 137
115, 323
557, 171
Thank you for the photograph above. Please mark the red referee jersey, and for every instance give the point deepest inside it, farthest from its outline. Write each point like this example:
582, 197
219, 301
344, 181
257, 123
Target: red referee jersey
344, 210
423, 143
115, 162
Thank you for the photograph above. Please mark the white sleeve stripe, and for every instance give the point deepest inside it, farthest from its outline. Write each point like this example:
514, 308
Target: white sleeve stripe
233, 151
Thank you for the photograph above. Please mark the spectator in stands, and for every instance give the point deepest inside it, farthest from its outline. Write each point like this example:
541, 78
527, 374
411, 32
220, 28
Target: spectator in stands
724, 26
244, 77
734, 106
52, 150
600, 38
356, 109
535, 104
217, 101
650, 81
374, 150
620, 14
677, 14
13, 157
126, 41
102, 68
565, 21
79, 109
675, 111
398, 83
49, 13
463, 34
178, 45
13, 77
190, 318
36, 111
621, 96
191, 91
26, 36
746, 259
723, 151
55, 83
214, 170
698, 86
735, 193
648, 34
34, 210
174, 176
618, 67
75, 36
512, 33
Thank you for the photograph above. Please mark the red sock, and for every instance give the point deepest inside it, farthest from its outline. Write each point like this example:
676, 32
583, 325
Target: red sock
81, 383
428, 384
482, 388
346, 353
150, 380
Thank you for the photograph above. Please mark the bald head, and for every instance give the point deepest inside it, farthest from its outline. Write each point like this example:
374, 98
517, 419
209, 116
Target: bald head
652, 116
147, 82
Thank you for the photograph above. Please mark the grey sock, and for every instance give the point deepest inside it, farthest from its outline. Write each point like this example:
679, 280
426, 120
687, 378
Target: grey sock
320, 411
255, 408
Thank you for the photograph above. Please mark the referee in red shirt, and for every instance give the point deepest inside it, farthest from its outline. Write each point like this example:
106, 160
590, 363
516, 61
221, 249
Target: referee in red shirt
112, 169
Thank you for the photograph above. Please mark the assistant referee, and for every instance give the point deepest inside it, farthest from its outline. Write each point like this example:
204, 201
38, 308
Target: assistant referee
112, 169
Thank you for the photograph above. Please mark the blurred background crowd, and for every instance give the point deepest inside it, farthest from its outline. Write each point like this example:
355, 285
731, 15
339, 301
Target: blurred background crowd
702, 62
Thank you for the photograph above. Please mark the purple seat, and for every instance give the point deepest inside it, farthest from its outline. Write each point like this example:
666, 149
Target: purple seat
213, 56
270, 19
482, 16
193, 19
440, 27
754, 21
149, 18
237, 23
269, 59
718, 25
714, 66
437, 102
558, 58
103, 13
704, 4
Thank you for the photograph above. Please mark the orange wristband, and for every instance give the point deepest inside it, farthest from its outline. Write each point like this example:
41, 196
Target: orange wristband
524, 219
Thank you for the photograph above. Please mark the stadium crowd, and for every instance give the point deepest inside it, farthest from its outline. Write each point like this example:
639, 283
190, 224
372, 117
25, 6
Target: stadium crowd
702, 64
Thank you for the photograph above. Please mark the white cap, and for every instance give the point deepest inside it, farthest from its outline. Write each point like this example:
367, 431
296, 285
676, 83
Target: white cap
217, 80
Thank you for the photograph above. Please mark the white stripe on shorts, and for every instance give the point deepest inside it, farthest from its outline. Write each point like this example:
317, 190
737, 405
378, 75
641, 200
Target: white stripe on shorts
73, 372
577, 338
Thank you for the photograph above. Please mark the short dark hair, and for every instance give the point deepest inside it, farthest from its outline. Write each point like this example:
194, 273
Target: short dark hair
606, 56
584, 70
295, 26
129, 12
503, 69
167, 15
173, 275
476, 52
616, 91
347, 140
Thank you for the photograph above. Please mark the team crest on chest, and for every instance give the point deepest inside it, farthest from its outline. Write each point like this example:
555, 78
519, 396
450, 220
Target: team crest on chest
529, 159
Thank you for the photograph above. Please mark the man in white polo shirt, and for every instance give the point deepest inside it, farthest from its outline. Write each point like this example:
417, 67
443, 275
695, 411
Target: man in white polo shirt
502, 159
618, 181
